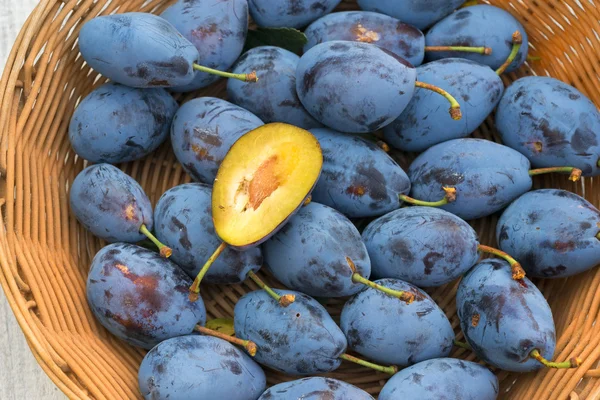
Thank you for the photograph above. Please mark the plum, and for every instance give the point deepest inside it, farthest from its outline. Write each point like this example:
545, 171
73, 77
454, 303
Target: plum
113, 206
183, 220
551, 123
487, 176
553, 232
141, 297
216, 28
480, 25
138, 50
320, 252
357, 87
507, 322
203, 131
425, 246
386, 330
301, 339
419, 13
116, 123
425, 121
362, 181
440, 379
289, 13
369, 27
315, 388
273, 98
199, 367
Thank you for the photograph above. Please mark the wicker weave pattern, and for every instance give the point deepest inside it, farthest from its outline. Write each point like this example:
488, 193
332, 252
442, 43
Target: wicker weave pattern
45, 253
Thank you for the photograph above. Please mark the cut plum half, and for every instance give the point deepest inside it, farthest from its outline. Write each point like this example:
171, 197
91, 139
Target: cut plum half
266, 176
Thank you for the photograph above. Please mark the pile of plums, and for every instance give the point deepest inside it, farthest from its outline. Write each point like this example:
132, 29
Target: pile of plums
292, 173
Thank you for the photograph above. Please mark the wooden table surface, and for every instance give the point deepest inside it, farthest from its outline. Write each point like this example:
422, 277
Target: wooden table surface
21, 377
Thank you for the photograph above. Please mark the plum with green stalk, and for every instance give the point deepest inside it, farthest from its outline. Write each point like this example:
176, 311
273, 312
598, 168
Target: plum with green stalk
301, 339
143, 50
321, 253
263, 180
425, 122
507, 323
113, 206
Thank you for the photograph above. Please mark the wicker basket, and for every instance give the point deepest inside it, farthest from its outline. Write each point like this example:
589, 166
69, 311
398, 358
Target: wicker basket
45, 253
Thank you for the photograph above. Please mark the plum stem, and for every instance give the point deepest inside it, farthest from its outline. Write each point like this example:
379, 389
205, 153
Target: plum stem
448, 198
571, 363
517, 39
469, 3
575, 172
464, 49
392, 369
283, 301
195, 288
358, 278
533, 58
251, 77
165, 250
455, 112
463, 345
518, 272
249, 345
307, 200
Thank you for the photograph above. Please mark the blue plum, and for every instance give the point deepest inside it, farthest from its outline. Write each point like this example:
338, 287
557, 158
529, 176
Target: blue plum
141, 297
310, 253
426, 122
300, 339
361, 181
551, 123
553, 232
354, 87
199, 367
390, 331
369, 27
425, 246
216, 28
419, 13
203, 131
479, 25
116, 123
315, 388
138, 50
110, 204
289, 13
183, 220
487, 176
273, 98
504, 319
443, 378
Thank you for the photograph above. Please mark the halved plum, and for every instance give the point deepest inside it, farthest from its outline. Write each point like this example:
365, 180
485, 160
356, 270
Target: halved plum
265, 177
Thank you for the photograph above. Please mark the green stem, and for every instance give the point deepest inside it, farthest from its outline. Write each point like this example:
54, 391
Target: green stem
517, 271
249, 345
463, 49
454, 106
392, 369
517, 39
357, 278
575, 172
572, 363
448, 198
251, 77
283, 301
464, 345
195, 288
533, 58
165, 251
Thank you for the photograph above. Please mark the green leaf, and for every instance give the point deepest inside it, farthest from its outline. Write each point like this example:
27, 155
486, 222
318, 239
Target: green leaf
223, 325
287, 38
